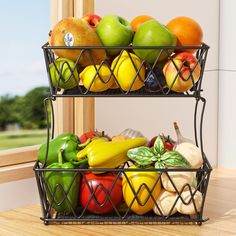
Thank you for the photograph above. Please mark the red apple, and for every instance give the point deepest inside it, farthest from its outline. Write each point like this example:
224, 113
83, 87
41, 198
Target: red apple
92, 20
182, 72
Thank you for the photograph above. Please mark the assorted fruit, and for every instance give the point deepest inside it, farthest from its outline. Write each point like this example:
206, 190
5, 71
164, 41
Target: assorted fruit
99, 174
137, 54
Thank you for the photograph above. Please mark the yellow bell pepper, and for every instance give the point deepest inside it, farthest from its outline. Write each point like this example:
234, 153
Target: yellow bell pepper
111, 154
137, 178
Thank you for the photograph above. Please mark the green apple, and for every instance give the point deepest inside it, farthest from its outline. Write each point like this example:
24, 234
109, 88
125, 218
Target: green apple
152, 33
114, 31
67, 80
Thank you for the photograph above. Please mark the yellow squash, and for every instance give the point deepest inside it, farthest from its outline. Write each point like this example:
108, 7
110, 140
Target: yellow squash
83, 153
111, 154
136, 179
119, 138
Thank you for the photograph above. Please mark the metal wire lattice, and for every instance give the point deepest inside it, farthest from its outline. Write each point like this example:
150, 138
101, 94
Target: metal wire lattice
123, 213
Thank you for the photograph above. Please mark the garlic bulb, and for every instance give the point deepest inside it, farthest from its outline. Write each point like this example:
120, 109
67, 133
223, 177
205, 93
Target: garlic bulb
180, 138
179, 179
192, 154
165, 202
131, 133
189, 209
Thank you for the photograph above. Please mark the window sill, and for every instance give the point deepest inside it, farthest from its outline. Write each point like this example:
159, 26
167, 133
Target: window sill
18, 155
16, 172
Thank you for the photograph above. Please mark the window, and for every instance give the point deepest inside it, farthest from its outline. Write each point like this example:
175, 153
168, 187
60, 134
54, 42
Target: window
24, 26
22, 69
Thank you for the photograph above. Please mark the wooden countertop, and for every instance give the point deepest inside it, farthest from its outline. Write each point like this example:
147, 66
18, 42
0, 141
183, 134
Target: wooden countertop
220, 207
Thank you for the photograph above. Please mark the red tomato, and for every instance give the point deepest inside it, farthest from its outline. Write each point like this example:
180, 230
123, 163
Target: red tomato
85, 136
101, 184
92, 134
167, 141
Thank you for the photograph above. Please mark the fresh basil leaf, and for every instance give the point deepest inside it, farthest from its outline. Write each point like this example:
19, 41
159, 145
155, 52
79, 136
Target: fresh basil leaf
159, 147
174, 158
159, 165
158, 156
142, 156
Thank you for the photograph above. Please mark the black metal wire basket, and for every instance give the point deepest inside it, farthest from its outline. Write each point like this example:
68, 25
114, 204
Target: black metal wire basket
142, 71
122, 212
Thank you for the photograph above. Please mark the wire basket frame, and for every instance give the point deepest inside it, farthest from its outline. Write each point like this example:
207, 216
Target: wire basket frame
80, 214
118, 214
52, 210
150, 70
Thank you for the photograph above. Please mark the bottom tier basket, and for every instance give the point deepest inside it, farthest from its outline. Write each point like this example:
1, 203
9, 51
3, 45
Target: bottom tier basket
121, 213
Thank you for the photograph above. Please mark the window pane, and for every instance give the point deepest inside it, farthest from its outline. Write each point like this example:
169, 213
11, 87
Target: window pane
24, 28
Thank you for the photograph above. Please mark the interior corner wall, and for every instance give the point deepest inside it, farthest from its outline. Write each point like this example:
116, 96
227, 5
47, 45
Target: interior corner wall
154, 115
227, 85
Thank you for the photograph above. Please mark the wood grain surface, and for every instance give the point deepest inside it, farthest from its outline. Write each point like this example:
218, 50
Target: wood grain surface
220, 207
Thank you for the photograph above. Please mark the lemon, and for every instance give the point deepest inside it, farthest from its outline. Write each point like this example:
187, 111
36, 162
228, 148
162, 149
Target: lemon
126, 73
99, 79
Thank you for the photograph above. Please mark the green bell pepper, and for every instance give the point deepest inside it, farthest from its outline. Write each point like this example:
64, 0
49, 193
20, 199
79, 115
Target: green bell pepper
62, 187
67, 142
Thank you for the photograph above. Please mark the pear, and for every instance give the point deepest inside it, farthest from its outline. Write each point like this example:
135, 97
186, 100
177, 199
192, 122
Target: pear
75, 32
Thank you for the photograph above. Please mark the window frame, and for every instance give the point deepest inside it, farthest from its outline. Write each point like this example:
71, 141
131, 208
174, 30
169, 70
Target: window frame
74, 115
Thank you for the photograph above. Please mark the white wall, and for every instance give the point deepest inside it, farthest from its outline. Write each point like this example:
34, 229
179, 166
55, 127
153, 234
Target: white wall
151, 115
18, 194
227, 85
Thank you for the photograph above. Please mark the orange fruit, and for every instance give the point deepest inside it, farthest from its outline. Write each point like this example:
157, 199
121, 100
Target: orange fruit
187, 31
138, 20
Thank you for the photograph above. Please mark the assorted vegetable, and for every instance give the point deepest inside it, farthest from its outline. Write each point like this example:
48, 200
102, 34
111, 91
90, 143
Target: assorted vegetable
158, 155
67, 143
192, 202
119, 138
62, 186
180, 138
167, 141
131, 133
179, 179
165, 202
111, 154
93, 134
192, 153
84, 152
100, 185
101, 191
135, 192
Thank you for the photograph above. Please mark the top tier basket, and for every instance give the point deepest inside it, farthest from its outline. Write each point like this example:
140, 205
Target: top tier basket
150, 69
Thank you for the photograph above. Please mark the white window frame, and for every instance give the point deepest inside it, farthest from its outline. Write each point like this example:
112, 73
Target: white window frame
74, 115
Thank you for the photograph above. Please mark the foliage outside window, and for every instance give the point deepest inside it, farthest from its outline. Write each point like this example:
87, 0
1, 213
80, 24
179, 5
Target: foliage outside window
22, 75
